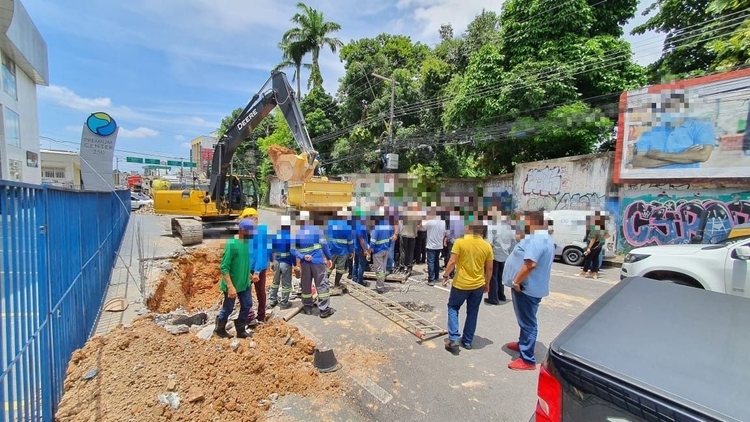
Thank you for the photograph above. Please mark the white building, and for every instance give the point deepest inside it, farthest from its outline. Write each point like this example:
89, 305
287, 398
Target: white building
24, 66
61, 168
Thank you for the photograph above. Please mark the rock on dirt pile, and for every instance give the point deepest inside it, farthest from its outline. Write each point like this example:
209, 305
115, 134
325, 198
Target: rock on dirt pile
145, 373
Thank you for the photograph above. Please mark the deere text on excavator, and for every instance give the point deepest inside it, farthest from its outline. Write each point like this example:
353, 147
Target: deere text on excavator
229, 194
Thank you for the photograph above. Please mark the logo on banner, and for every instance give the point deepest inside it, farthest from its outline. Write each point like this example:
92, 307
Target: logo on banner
101, 124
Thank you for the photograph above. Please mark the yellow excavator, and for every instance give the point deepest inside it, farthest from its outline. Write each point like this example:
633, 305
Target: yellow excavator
229, 194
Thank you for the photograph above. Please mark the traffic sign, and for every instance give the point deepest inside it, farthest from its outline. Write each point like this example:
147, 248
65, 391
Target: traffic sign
152, 161
189, 164
174, 163
134, 160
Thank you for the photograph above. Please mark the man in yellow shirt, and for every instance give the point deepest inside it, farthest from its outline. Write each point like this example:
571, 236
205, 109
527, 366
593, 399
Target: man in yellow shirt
472, 258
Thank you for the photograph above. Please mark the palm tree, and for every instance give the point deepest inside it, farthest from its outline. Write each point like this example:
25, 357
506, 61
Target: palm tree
292, 56
312, 33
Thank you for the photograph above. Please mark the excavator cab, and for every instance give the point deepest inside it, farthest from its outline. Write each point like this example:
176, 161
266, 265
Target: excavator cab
241, 192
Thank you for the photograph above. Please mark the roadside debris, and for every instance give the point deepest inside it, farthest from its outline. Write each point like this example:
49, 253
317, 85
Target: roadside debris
146, 373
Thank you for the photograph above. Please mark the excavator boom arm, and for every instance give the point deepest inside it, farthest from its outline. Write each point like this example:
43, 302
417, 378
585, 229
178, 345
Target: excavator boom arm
281, 95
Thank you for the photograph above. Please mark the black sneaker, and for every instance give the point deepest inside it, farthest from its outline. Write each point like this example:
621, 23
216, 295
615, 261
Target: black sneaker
272, 304
452, 346
328, 312
466, 346
430, 283
381, 291
307, 310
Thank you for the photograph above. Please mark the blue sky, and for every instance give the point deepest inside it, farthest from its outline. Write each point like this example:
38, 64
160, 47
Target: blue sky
169, 70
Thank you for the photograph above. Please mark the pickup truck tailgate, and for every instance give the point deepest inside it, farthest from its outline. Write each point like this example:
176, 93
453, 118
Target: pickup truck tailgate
671, 345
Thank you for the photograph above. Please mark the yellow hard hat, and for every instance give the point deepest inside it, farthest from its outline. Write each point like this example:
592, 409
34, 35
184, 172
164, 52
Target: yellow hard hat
248, 212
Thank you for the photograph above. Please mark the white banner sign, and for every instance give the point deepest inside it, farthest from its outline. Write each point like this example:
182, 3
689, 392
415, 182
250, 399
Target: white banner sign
97, 151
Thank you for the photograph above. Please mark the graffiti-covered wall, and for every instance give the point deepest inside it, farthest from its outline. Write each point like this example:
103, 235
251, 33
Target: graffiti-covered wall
572, 183
669, 214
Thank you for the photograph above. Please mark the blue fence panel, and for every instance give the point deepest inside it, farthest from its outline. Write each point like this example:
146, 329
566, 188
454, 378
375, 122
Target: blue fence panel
58, 248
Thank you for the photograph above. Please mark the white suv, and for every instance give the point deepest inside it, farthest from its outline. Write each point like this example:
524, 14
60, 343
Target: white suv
723, 267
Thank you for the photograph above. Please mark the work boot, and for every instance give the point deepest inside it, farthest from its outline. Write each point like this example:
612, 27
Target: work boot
308, 310
328, 312
239, 326
221, 329
272, 304
285, 305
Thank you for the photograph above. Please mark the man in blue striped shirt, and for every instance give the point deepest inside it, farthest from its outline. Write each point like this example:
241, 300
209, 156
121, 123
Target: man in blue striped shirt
340, 237
313, 257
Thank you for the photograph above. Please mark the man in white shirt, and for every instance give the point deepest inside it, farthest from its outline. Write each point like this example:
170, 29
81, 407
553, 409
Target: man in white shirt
502, 237
435, 236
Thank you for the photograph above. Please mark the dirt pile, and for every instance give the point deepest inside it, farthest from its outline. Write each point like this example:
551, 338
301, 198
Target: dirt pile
145, 210
276, 151
191, 281
144, 373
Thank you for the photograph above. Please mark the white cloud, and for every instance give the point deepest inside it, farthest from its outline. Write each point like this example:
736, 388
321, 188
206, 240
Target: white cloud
185, 145
65, 97
179, 138
138, 133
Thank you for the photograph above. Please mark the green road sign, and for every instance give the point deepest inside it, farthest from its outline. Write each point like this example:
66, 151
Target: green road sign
189, 164
174, 163
158, 168
134, 160
152, 161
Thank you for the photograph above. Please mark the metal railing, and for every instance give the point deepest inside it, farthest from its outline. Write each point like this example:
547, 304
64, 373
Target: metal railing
57, 250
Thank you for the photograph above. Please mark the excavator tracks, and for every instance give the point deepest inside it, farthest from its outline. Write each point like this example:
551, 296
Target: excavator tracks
188, 230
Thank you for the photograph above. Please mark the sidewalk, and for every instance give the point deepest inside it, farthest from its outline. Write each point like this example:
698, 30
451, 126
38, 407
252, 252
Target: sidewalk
125, 282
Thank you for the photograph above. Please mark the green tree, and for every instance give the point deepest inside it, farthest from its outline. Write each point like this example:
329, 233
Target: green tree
293, 54
701, 36
321, 116
312, 33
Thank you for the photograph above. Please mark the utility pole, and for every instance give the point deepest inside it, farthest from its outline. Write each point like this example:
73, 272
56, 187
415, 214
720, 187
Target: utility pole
393, 103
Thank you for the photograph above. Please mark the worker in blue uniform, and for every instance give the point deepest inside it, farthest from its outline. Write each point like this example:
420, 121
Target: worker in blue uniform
380, 243
313, 257
360, 250
282, 262
340, 238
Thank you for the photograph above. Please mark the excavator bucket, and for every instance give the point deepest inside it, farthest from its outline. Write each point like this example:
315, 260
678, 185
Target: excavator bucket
291, 167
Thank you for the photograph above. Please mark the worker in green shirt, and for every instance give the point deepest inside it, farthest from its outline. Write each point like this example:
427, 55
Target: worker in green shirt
236, 280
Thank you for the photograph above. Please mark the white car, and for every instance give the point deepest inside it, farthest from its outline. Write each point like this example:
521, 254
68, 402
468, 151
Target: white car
137, 202
723, 267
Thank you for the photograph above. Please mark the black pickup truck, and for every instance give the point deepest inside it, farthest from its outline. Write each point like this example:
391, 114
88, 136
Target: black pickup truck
650, 351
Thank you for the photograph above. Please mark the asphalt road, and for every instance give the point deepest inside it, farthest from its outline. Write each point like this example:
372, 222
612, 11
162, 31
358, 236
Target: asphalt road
398, 378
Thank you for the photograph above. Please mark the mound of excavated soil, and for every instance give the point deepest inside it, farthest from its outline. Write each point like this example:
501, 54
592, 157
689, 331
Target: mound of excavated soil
192, 282
212, 382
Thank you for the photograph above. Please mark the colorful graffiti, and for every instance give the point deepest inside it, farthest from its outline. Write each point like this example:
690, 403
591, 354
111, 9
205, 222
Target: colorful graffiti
544, 182
676, 221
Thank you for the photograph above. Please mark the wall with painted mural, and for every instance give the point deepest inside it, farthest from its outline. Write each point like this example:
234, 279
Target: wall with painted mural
572, 183
500, 190
669, 214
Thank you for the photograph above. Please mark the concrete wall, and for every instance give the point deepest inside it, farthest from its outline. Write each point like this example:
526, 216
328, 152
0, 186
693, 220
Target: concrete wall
571, 183
666, 214
275, 186
499, 189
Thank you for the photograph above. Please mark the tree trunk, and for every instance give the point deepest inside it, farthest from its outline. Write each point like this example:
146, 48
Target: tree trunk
317, 77
299, 84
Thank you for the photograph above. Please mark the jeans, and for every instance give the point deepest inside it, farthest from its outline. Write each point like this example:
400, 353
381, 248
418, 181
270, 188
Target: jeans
591, 260
525, 308
601, 259
246, 304
407, 251
497, 290
359, 268
473, 299
420, 247
260, 294
281, 277
433, 264
391, 256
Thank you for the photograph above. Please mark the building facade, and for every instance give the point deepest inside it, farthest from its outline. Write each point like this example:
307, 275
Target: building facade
202, 152
61, 168
24, 66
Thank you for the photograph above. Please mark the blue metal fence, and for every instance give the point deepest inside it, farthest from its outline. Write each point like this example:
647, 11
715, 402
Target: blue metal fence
57, 250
